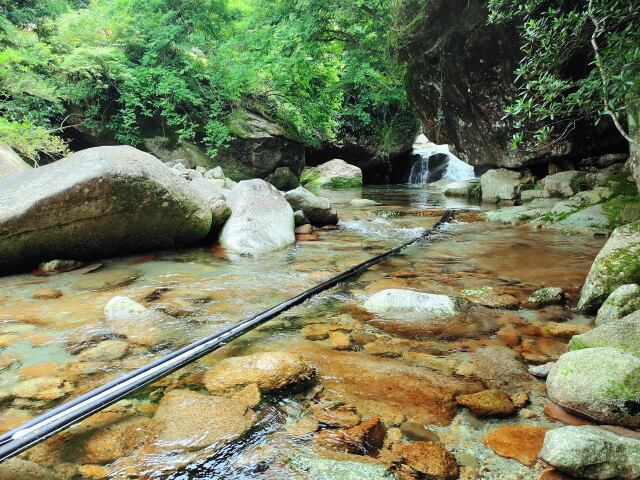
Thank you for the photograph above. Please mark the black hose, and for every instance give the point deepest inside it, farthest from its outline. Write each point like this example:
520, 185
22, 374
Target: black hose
69, 413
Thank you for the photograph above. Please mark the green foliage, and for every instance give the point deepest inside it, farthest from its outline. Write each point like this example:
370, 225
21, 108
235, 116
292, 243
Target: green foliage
322, 69
556, 90
30, 140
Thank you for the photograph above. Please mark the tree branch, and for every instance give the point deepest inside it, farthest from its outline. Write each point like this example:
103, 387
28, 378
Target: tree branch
603, 76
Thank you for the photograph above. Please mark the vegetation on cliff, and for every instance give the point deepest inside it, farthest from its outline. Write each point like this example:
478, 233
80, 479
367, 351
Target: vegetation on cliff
323, 70
581, 62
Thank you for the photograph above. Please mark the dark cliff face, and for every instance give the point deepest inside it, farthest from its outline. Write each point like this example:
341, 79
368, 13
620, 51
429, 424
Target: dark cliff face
461, 78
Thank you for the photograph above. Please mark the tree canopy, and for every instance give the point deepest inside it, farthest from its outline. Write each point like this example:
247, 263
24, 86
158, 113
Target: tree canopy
324, 70
581, 62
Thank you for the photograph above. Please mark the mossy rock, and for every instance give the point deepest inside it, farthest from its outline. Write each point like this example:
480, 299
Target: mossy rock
618, 263
623, 334
95, 203
333, 174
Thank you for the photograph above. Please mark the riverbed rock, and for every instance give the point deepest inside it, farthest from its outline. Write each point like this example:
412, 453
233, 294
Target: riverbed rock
352, 467
546, 296
335, 173
399, 300
520, 442
488, 403
261, 220
133, 321
10, 162
617, 264
46, 294
592, 452
541, 371
19, 469
600, 383
562, 184
623, 300
463, 188
114, 441
623, 334
97, 202
87, 337
590, 220
211, 191
42, 388
317, 209
363, 202
339, 417
501, 368
502, 184
108, 350
365, 438
188, 420
427, 458
270, 371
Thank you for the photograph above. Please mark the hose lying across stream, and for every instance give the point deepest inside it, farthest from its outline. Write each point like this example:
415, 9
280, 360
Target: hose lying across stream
69, 413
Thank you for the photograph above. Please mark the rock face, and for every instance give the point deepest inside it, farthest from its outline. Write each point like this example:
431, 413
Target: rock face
592, 452
317, 209
335, 173
261, 219
461, 70
10, 162
618, 263
601, 383
623, 300
502, 184
397, 300
258, 148
98, 202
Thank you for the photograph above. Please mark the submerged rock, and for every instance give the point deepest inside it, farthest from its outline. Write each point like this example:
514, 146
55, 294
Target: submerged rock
427, 458
334, 174
97, 202
261, 220
488, 403
520, 442
600, 383
317, 209
188, 420
270, 371
363, 202
365, 438
623, 300
114, 441
398, 300
351, 468
617, 264
592, 452
133, 321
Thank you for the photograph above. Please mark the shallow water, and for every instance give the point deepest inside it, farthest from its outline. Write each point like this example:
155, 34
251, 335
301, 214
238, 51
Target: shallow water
403, 371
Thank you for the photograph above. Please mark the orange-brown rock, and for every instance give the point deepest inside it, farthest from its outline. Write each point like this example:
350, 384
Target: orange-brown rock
339, 340
552, 474
520, 399
366, 438
520, 442
306, 237
556, 412
46, 294
488, 403
509, 335
340, 417
429, 459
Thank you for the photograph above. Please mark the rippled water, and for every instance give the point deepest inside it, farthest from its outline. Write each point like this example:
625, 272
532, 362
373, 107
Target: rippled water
203, 290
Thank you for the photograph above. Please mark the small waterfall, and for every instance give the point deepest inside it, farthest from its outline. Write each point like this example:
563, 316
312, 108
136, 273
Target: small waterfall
436, 162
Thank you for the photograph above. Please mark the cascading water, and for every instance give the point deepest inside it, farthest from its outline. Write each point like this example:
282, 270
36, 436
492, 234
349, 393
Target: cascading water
448, 166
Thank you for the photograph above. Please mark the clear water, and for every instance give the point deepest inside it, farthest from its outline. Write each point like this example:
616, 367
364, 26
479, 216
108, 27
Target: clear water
204, 290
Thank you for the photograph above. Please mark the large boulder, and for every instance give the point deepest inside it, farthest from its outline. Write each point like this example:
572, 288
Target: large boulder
623, 300
10, 162
502, 184
95, 203
562, 184
601, 383
592, 452
623, 334
317, 209
335, 173
618, 263
261, 219
259, 147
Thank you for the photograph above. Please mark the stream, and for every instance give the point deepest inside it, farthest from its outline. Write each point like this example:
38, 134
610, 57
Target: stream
398, 369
